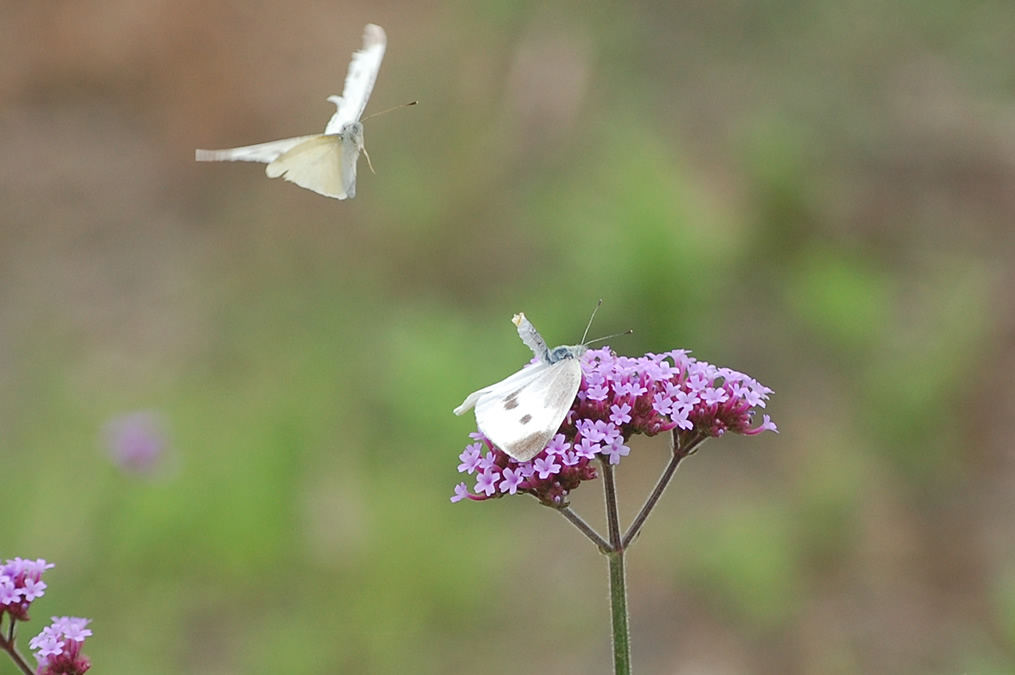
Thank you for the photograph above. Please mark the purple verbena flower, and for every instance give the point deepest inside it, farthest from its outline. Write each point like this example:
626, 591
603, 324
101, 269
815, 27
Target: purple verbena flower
487, 461
620, 397
714, 395
620, 414
9, 593
558, 445
587, 448
570, 458
461, 492
597, 389
470, 458
545, 467
630, 388
58, 647
33, 589
512, 478
617, 450
590, 430
20, 584
486, 482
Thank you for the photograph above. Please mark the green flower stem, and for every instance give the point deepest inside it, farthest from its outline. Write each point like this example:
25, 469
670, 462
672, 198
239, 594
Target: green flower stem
615, 547
584, 528
618, 607
7, 645
618, 580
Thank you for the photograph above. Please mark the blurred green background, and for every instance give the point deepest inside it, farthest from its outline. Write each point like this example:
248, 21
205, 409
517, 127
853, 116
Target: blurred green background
820, 194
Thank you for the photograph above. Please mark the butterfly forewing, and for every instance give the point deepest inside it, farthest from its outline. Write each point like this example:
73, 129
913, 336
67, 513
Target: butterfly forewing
359, 82
262, 152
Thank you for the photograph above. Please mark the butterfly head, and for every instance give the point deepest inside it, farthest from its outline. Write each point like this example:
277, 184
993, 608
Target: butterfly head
352, 132
352, 135
566, 352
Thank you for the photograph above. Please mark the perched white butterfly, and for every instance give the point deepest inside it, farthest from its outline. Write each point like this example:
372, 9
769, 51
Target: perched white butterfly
324, 163
522, 413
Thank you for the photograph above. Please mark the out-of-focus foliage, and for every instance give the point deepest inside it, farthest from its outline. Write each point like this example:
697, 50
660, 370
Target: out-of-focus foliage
816, 193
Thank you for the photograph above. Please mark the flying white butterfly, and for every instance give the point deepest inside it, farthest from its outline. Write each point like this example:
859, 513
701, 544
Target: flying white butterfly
523, 412
324, 163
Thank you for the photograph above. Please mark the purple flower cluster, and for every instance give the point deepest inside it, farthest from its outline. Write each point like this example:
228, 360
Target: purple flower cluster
618, 398
58, 647
21, 583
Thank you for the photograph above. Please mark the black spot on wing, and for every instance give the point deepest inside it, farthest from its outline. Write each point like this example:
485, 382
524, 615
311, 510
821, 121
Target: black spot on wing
525, 419
511, 401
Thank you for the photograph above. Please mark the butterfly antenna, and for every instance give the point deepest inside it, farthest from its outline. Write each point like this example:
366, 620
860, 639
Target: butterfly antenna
363, 148
586, 334
626, 332
403, 105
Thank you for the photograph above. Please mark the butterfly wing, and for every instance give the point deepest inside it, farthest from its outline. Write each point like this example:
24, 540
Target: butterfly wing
262, 152
321, 164
522, 413
518, 380
359, 82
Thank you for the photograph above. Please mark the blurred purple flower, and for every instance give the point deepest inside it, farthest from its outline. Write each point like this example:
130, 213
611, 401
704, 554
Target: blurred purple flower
137, 442
20, 584
619, 397
58, 647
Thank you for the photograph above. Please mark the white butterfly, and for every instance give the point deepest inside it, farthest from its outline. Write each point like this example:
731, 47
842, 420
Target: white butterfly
324, 163
522, 413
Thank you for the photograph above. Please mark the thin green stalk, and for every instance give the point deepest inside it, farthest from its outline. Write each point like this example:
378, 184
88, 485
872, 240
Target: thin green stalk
8, 646
585, 528
618, 580
616, 545
618, 609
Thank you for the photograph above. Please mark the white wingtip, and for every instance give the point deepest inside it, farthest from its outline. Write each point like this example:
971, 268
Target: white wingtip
373, 35
470, 402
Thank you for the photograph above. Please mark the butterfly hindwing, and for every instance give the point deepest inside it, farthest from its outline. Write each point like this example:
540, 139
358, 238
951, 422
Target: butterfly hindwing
521, 414
315, 164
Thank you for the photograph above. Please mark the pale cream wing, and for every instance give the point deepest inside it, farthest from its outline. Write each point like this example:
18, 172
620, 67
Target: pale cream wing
522, 413
315, 164
359, 81
262, 152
